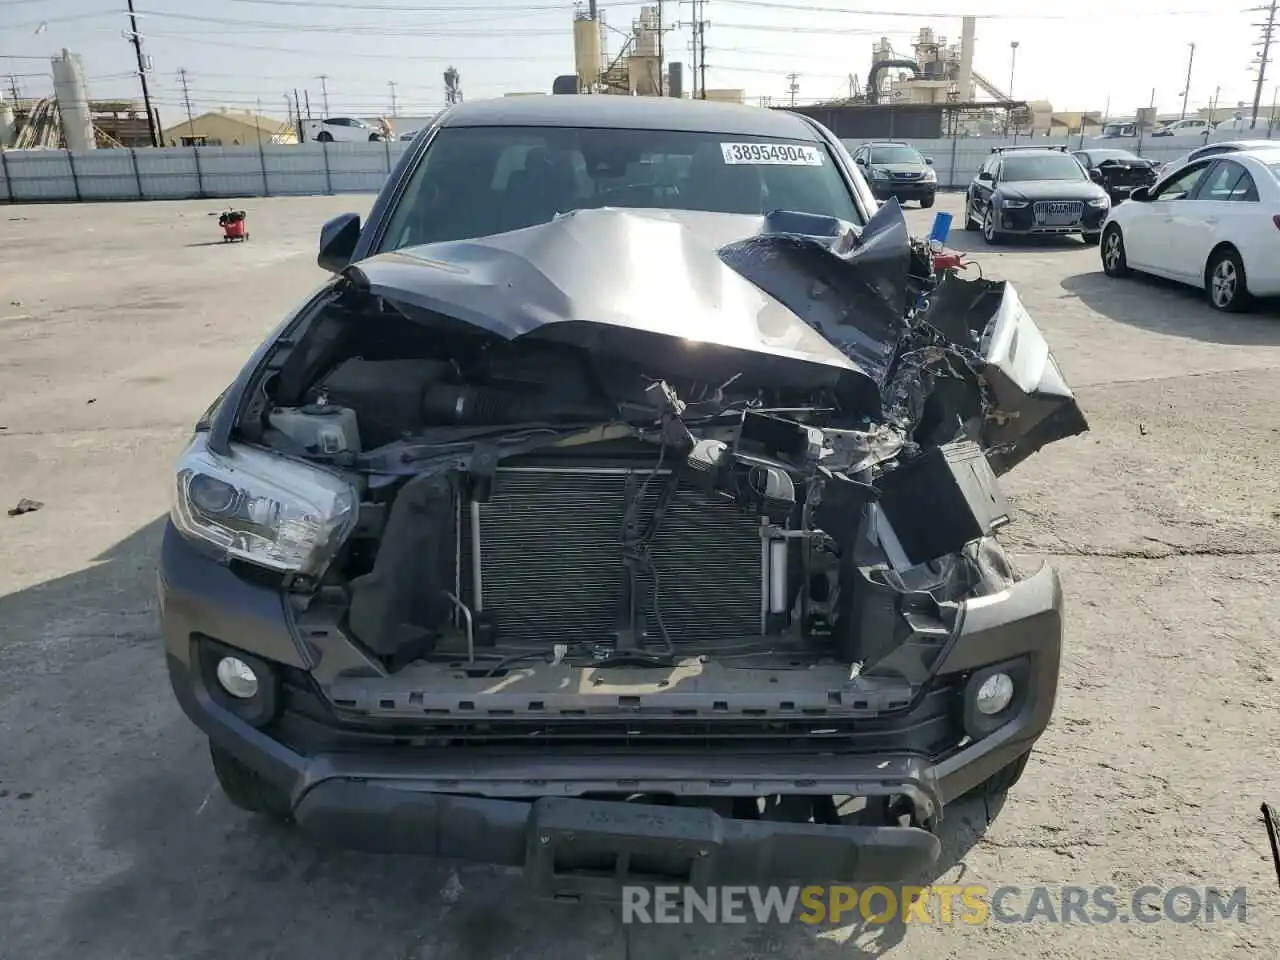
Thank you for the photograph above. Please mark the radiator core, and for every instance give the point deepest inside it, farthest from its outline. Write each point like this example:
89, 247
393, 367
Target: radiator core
551, 569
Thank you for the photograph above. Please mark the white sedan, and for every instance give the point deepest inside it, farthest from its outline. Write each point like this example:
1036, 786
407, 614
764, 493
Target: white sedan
1214, 223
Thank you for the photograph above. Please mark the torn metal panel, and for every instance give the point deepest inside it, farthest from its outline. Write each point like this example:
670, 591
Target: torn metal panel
853, 293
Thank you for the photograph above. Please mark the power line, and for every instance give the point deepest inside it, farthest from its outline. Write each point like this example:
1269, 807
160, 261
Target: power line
952, 15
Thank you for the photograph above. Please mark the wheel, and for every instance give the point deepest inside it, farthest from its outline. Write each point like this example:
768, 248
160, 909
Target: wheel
324, 136
245, 789
1225, 281
926, 203
969, 222
989, 232
1091, 239
374, 137
1114, 262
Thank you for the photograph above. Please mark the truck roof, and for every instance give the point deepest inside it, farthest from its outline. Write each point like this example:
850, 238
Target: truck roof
630, 113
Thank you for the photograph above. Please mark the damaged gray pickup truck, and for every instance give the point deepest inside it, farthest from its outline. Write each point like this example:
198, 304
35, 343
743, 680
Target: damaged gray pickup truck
640, 532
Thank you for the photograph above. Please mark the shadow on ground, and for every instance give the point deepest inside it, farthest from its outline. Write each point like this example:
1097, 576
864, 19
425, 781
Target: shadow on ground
165, 867
1163, 306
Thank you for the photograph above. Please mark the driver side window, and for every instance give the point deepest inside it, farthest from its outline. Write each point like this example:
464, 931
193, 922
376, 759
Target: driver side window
1183, 185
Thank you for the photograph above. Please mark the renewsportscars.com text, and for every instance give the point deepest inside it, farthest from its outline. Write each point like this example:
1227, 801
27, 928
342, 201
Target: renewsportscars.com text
970, 904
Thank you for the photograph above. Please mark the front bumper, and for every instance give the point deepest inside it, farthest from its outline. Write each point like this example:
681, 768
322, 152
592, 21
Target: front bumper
535, 809
903, 189
1021, 222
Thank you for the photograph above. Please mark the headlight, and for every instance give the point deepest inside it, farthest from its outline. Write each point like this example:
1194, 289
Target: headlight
931, 176
878, 174
1100, 202
262, 508
1008, 204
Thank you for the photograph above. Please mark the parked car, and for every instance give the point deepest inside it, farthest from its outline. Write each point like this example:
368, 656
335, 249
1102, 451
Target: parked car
1215, 224
1034, 191
1192, 126
1118, 130
1118, 172
1214, 149
511, 530
341, 130
897, 169
409, 134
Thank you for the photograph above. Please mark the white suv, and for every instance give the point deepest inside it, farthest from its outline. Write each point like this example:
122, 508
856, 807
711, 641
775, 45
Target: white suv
341, 129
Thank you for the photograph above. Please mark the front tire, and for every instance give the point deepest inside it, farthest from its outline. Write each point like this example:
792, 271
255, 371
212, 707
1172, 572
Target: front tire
1005, 779
1114, 261
1225, 282
324, 136
989, 231
969, 222
245, 788
926, 202
1091, 239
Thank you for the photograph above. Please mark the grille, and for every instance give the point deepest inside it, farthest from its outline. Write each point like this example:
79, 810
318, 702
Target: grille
550, 558
907, 175
1058, 213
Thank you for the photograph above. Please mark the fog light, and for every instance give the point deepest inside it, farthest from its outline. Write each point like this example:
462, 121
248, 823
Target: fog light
993, 696
239, 680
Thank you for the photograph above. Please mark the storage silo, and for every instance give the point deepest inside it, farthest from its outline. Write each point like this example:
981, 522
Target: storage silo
675, 79
6, 126
72, 94
586, 49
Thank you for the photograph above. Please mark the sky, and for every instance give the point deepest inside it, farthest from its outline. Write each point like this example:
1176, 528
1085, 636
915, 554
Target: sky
1081, 55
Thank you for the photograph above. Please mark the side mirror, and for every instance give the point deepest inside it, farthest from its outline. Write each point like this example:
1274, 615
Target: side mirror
338, 239
861, 161
985, 176
929, 161
1095, 175
1141, 194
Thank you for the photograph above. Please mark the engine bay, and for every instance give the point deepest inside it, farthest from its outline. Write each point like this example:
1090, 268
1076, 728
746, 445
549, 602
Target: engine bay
568, 496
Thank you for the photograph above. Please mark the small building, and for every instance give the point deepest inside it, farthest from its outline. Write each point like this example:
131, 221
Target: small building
228, 128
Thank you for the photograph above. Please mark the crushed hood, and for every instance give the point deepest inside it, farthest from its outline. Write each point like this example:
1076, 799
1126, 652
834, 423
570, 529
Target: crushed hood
805, 300
644, 284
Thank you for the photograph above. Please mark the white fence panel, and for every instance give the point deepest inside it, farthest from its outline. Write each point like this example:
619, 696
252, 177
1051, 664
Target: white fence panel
314, 169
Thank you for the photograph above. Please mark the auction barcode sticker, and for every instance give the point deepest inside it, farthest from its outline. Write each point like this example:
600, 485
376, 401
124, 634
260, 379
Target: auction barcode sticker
791, 154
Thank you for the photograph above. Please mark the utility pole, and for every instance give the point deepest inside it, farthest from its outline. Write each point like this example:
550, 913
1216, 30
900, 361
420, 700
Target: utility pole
306, 102
1264, 57
13, 90
136, 40
662, 63
1186, 91
793, 86
297, 112
186, 98
324, 92
392, 85
701, 6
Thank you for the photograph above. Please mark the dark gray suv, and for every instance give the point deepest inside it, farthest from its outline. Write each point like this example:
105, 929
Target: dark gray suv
894, 168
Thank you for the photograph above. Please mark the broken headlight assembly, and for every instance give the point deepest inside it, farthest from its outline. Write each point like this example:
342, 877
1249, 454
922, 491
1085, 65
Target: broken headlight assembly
262, 508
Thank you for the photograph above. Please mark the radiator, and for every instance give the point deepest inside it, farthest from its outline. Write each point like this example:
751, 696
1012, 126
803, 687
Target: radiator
550, 558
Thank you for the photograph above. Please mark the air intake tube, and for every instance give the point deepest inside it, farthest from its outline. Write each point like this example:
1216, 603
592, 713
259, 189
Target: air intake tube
449, 404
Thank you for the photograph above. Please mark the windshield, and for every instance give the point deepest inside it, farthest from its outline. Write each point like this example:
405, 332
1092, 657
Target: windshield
1117, 129
895, 155
478, 181
1056, 167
